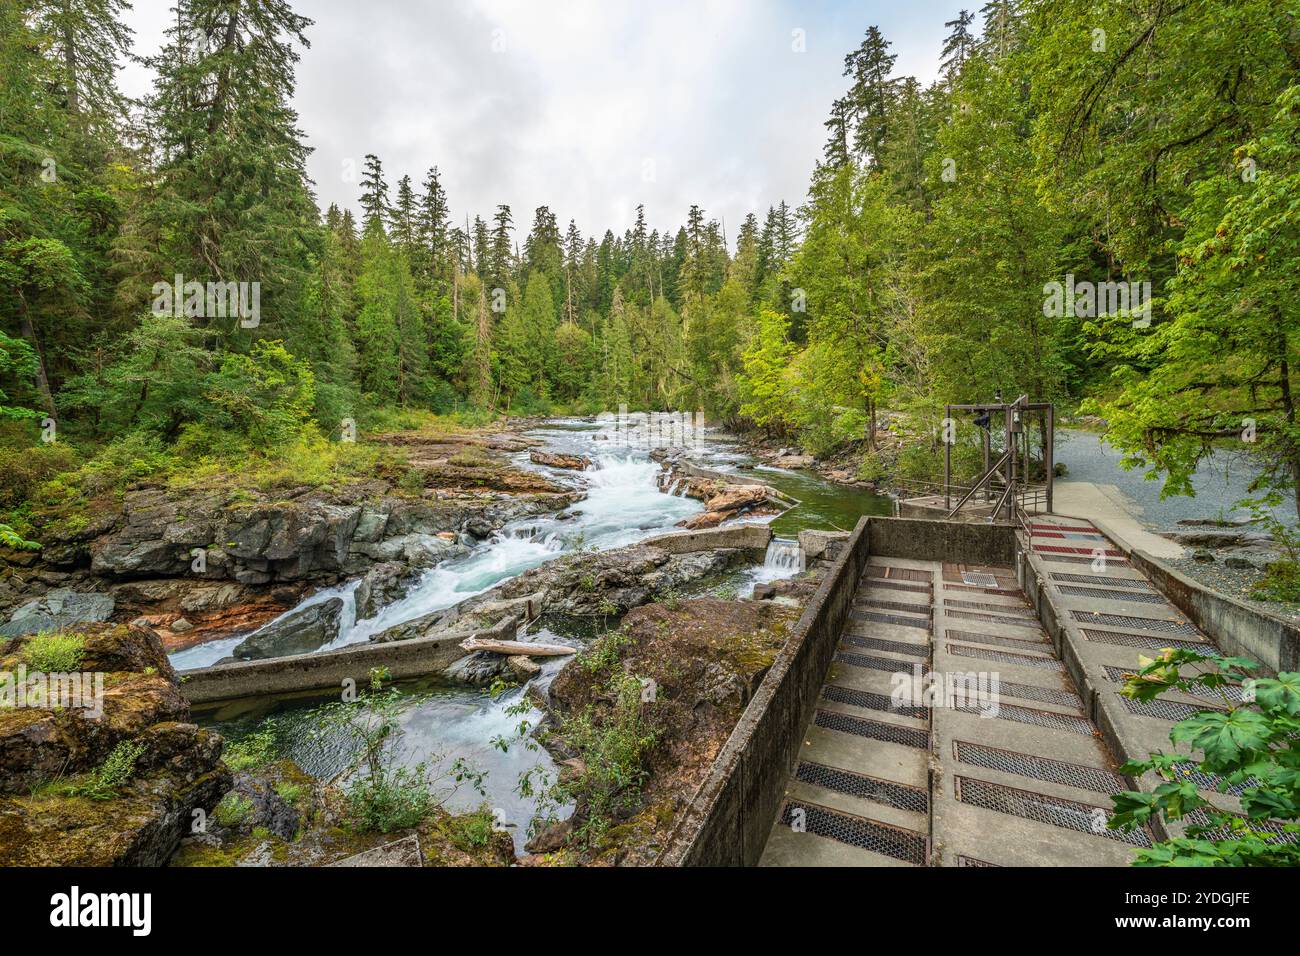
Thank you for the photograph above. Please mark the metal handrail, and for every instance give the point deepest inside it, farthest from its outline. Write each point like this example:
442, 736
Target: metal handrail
987, 475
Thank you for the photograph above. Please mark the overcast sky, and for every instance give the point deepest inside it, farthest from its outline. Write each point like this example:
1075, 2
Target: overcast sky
588, 106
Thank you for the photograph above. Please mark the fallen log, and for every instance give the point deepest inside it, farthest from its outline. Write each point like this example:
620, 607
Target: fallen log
512, 648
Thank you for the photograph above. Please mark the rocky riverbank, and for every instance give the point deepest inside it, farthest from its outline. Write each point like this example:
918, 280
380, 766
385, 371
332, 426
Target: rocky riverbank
603, 585
201, 565
637, 720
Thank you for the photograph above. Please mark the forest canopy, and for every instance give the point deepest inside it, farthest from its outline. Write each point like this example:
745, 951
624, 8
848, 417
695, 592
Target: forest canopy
1154, 145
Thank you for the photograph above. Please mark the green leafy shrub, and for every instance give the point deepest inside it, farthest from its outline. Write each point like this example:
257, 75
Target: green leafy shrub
55, 652
1280, 582
1252, 745
392, 800
27, 464
382, 798
266, 396
104, 782
9, 538
412, 481
605, 652
871, 468
471, 831
612, 747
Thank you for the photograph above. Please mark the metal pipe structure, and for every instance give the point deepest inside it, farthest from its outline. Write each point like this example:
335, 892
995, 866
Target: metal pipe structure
1015, 461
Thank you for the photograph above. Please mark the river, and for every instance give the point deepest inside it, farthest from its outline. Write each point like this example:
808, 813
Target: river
623, 505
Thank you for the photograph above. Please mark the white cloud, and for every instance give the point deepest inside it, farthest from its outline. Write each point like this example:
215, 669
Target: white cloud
585, 97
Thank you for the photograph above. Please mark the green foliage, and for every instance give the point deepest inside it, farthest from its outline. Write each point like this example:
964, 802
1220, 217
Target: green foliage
254, 750
394, 800
1280, 582
27, 463
9, 538
471, 831
17, 364
612, 747
605, 652
233, 809
54, 652
1249, 745
381, 797
265, 397
108, 778
290, 792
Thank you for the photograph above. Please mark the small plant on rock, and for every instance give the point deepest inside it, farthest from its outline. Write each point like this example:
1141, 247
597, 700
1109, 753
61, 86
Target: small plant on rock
55, 652
380, 797
254, 750
106, 779
233, 809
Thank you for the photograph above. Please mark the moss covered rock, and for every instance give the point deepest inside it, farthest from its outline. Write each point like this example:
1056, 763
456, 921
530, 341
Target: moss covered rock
116, 781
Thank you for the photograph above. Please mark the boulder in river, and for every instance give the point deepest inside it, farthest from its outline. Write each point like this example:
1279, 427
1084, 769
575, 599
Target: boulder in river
382, 585
301, 632
559, 460
795, 461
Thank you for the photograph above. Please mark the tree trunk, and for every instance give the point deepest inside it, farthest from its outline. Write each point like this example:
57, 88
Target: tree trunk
42, 380
70, 66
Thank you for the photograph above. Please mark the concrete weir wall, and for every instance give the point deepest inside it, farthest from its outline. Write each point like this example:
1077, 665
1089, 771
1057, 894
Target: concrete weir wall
957, 541
728, 821
326, 670
323, 671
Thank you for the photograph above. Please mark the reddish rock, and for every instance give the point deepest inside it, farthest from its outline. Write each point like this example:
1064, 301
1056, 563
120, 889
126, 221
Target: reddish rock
734, 497
571, 462
705, 519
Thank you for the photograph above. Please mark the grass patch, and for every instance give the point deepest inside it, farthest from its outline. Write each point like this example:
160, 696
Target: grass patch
55, 652
470, 831
255, 750
290, 792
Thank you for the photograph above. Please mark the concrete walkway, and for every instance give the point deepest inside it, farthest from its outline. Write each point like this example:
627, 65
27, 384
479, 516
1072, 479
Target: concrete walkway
1111, 616
1015, 776
1113, 513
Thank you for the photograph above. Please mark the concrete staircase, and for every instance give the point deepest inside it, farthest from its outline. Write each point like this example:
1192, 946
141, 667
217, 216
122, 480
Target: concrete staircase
1009, 773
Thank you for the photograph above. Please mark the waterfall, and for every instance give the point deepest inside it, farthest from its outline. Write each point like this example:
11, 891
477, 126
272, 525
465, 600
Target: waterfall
784, 558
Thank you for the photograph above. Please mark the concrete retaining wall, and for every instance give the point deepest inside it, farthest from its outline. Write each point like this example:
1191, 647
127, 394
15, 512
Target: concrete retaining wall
328, 670
1237, 628
958, 542
728, 821
750, 537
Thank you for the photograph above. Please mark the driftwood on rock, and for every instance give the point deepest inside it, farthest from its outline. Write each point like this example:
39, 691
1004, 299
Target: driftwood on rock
513, 648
